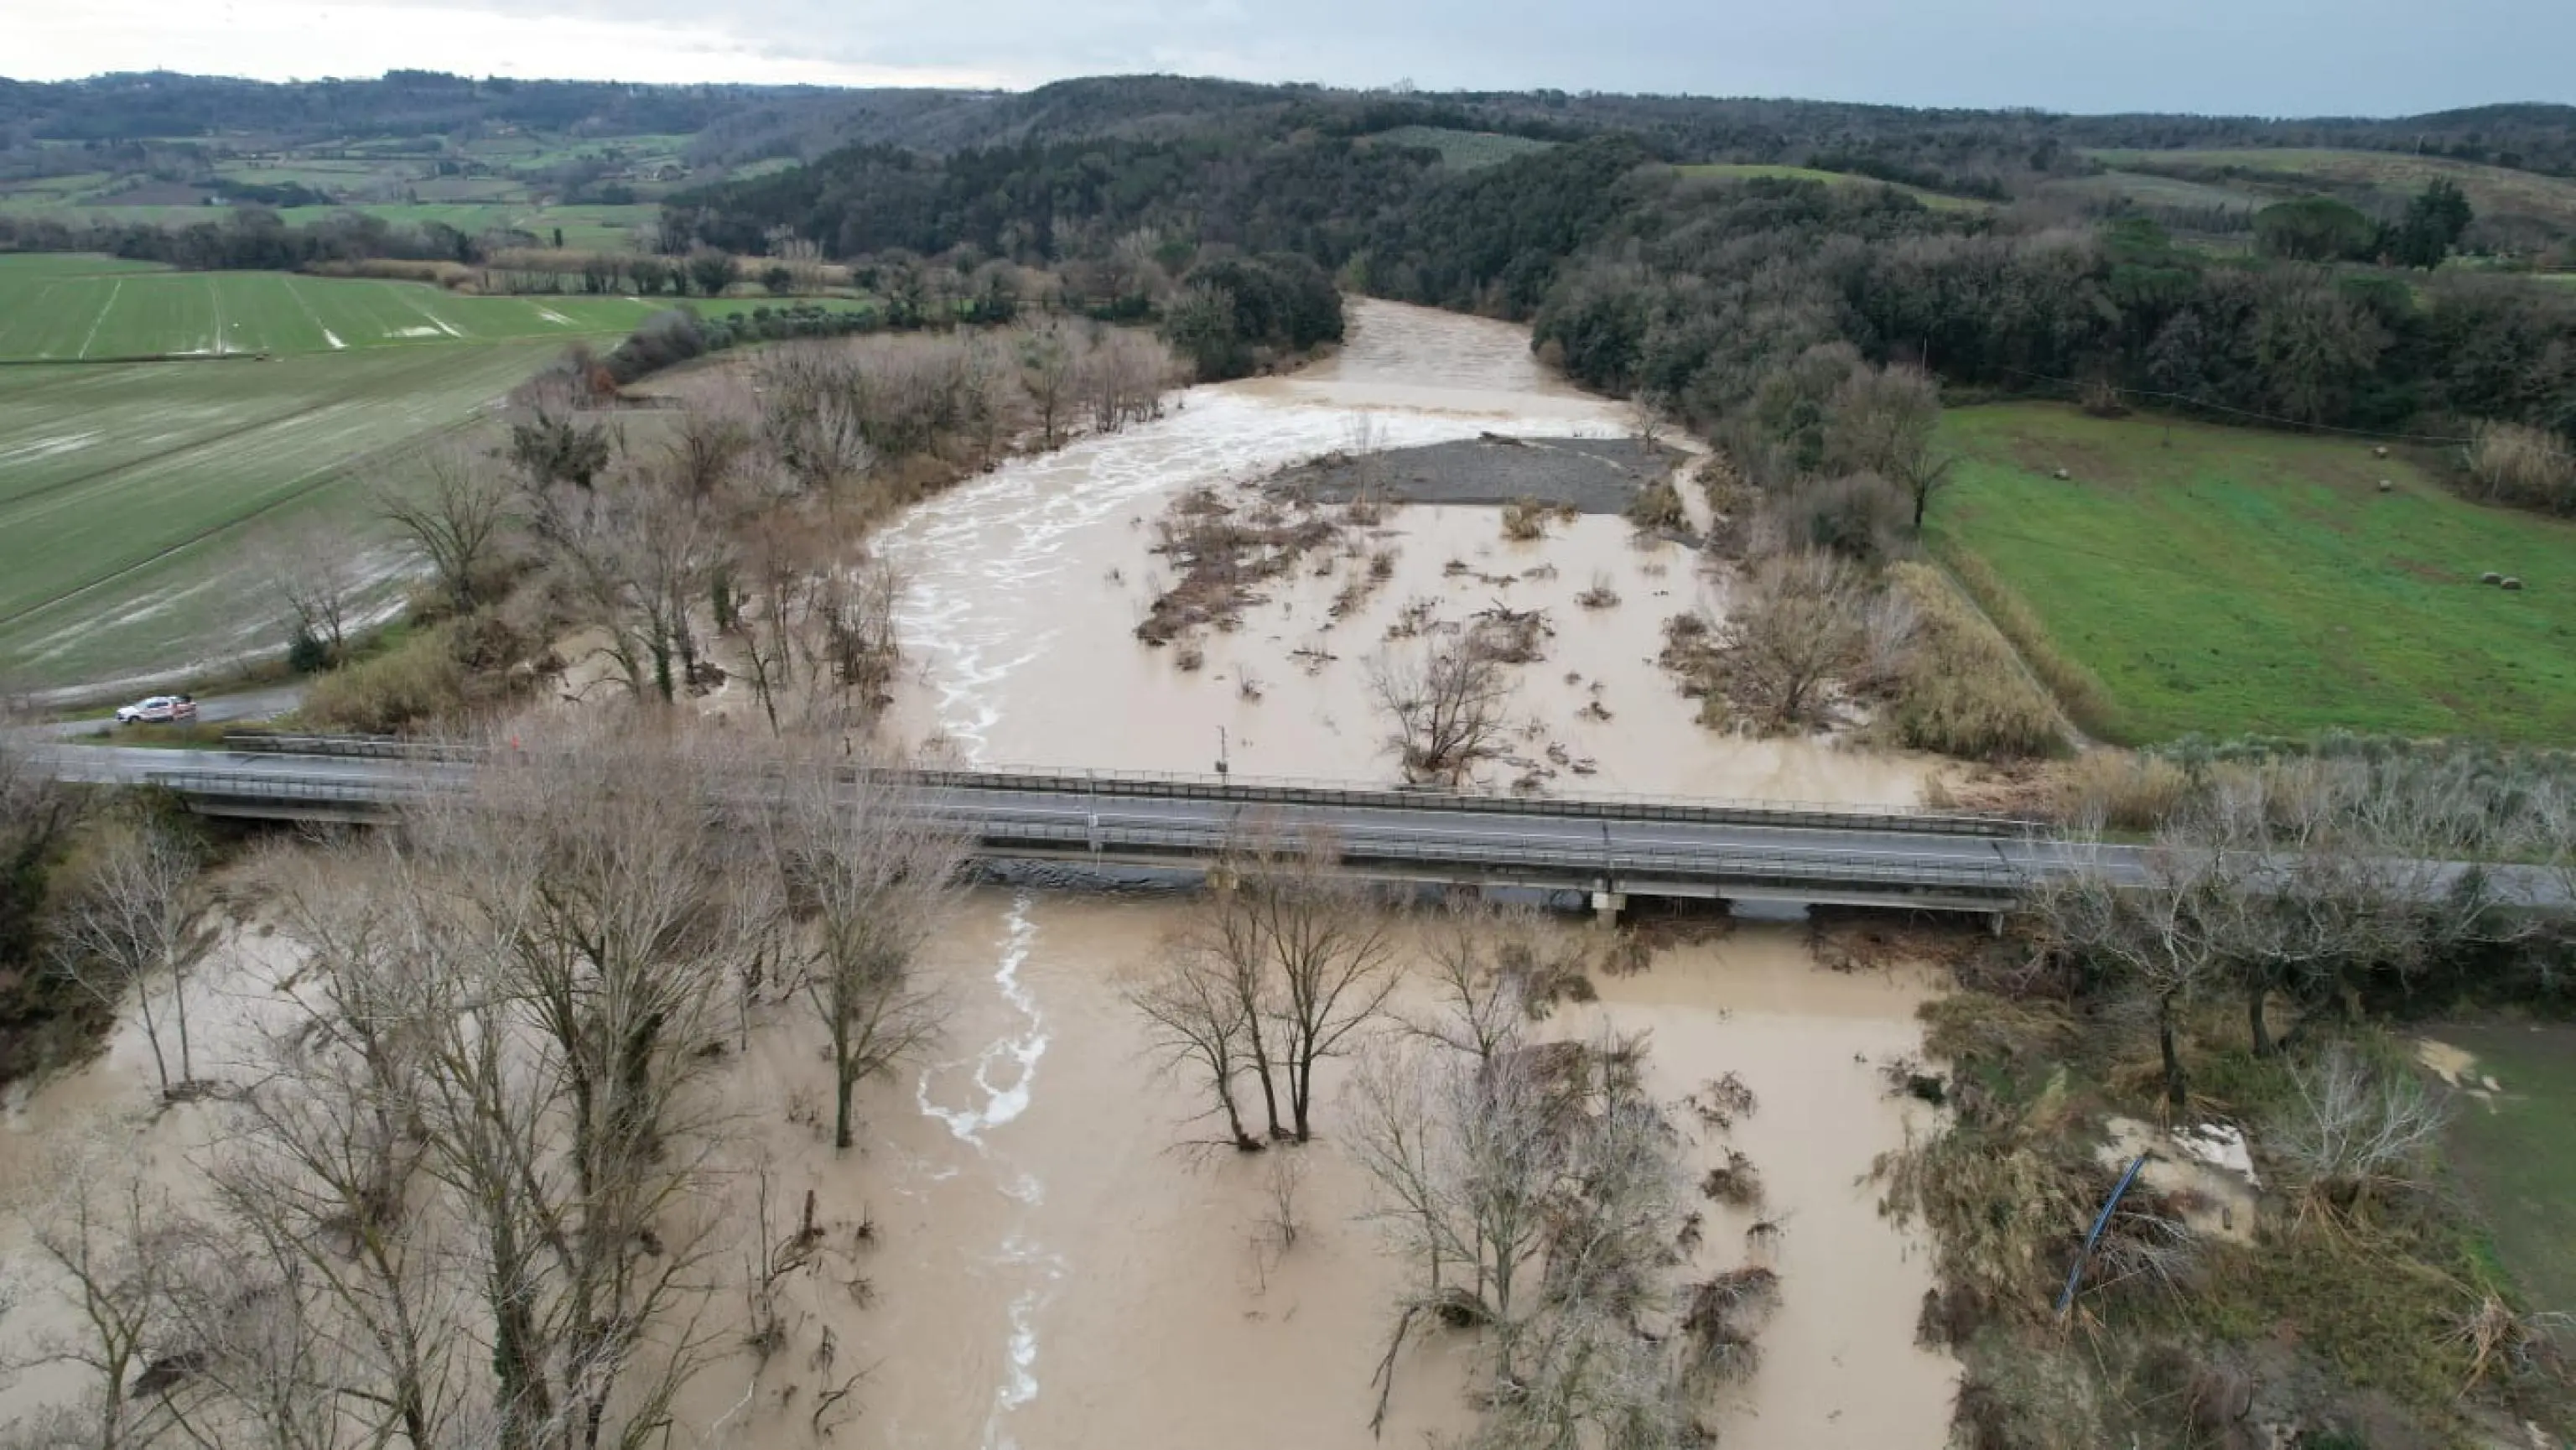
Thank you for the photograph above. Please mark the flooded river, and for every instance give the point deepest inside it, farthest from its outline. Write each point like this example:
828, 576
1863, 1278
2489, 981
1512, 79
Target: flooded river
1046, 1266
1025, 588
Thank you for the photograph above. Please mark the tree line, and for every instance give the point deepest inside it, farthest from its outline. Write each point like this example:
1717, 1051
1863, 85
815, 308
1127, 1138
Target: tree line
473, 1181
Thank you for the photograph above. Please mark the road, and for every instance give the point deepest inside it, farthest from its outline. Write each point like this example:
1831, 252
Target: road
244, 708
1616, 848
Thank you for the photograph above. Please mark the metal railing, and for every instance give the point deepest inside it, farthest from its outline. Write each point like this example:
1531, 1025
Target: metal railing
1248, 790
1361, 846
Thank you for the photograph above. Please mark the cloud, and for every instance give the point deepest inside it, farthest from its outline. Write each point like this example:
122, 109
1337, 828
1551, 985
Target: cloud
2274, 57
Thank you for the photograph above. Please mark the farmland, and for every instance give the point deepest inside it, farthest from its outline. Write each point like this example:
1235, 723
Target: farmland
2227, 581
61, 309
128, 492
1748, 170
1462, 150
2291, 171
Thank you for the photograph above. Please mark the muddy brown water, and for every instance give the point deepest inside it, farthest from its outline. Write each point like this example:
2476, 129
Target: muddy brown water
1049, 1266
1026, 585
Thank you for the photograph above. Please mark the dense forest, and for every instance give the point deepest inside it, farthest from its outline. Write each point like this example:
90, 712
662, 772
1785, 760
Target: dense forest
1700, 289
735, 123
1704, 292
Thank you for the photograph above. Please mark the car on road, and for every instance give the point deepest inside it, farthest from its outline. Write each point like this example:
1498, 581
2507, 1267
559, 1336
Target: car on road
158, 710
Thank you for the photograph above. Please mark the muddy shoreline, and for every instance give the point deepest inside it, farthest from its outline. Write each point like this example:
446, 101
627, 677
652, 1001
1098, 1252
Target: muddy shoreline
1588, 475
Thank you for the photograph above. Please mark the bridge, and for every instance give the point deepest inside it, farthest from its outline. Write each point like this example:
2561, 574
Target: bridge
1611, 849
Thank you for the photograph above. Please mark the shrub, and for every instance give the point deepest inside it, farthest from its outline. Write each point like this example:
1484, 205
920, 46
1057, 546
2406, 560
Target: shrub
1659, 506
418, 682
1526, 519
1859, 516
307, 655
2124, 792
1963, 693
2076, 688
2526, 467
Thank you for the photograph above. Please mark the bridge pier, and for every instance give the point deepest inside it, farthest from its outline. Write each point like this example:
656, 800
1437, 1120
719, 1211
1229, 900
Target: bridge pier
1606, 906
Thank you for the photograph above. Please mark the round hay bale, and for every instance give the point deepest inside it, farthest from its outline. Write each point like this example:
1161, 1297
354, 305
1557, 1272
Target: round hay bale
2063, 475
2511, 582
2386, 487
2379, 452
2491, 577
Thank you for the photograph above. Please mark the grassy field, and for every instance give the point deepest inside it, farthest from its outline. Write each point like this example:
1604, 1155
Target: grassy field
58, 308
2515, 1155
2490, 189
486, 205
131, 493
2149, 190
1748, 170
1463, 150
2230, 581
127, 492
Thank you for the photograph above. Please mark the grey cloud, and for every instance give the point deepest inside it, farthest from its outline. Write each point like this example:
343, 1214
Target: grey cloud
2271, 57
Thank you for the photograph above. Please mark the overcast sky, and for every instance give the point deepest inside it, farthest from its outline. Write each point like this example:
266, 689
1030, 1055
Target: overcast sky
2263, 57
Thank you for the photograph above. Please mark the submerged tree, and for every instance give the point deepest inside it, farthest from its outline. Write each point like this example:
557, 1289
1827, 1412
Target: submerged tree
142, 922
1279, 965
1447, 702
868, 876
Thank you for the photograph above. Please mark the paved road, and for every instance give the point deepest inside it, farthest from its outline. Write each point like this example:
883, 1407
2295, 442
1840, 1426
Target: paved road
1557, 842
1394, 827
244, 708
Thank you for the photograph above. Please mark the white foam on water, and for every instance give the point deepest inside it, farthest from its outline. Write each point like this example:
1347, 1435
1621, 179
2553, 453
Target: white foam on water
1004, 1073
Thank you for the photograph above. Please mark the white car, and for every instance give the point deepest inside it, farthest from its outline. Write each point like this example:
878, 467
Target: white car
158, 710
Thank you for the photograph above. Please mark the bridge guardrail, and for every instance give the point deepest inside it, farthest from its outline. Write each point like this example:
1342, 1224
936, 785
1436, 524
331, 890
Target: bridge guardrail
1146, 785
1528, 854
1713, 865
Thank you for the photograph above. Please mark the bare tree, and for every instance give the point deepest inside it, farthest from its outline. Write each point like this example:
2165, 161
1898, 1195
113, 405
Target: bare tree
1279, 964
582, 957
108, 1238
1538, 1195
1329, 945
2154, 934
456, 521
321, 1177
1798, 624
1494, 969
639, 551
2355, 1132
1884, 420
141, 922
1447, 700
316, 579
869, 877
1198, 1023
813, 414
1048, 369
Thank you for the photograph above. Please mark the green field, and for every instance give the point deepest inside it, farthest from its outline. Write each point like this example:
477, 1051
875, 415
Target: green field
2150, 190
121, 315
2515, 1156
62, 309
2490, 189
2229, 581
127, 492
587, 226
1750, 170
1463, 150
130, 493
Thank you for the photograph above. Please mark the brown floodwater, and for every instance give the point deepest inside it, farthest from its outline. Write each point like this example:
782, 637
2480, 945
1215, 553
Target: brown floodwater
1056, 1265
1047, 1262
1025, 587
